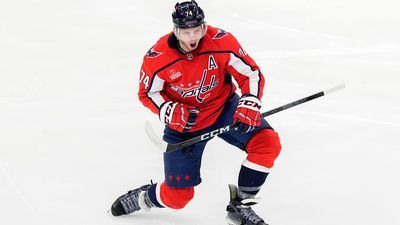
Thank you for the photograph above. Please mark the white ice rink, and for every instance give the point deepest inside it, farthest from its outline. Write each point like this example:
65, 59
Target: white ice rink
72, 129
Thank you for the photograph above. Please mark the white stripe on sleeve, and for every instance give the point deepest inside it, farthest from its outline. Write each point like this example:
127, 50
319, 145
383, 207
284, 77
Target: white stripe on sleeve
243, 68
154, 92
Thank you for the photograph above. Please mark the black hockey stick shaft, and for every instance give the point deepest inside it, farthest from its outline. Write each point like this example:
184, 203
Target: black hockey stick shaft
203, 137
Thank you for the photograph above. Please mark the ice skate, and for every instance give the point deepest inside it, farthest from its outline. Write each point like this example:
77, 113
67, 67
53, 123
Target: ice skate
132, 201
240, 212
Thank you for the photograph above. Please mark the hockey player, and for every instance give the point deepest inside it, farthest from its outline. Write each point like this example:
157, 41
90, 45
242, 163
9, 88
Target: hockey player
186, 79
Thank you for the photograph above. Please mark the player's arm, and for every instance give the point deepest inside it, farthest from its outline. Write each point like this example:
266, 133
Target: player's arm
251, 83
176, 115
245, 71
151, 89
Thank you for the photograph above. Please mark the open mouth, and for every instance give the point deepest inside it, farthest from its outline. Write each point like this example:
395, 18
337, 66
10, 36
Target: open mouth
192, 45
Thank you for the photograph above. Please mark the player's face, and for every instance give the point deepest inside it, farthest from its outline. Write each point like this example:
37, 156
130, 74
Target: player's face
189, 38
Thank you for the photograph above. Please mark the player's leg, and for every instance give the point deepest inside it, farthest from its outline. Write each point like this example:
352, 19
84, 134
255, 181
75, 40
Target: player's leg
262, 146
182, 173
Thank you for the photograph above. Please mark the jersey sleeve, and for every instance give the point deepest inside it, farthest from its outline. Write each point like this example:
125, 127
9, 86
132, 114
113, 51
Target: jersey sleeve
245, 71
151, 89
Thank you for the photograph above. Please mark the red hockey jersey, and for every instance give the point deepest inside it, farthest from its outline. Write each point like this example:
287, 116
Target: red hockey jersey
202, 79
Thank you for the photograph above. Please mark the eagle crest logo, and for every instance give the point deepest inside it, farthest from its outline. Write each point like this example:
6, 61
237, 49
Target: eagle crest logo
153, 53
220, 34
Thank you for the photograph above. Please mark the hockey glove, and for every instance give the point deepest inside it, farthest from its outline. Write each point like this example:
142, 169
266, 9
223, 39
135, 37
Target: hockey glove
247, 113
177, 116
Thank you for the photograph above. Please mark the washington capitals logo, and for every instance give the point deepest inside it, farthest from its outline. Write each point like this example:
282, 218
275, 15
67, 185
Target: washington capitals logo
198, 90
220, 34
152, 53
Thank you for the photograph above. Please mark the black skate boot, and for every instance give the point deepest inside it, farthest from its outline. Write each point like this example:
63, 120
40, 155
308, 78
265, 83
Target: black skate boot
240, 212
132, 201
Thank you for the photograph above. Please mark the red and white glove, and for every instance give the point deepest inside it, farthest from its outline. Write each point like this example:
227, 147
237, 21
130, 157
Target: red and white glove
247, 113
178, 116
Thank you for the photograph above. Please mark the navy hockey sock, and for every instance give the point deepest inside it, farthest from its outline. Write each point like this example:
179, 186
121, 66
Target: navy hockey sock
250, 182
152, 193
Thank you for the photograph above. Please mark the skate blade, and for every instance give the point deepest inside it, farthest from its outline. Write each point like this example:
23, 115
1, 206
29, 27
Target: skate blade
231, 222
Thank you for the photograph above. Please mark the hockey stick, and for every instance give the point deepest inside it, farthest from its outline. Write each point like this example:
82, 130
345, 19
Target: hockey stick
155, 138
203, 137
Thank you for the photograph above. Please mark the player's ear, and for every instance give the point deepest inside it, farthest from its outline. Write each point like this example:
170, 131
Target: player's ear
205, 27
175, 29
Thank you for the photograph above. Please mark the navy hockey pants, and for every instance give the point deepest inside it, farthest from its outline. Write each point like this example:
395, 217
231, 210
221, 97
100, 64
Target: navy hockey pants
182, 167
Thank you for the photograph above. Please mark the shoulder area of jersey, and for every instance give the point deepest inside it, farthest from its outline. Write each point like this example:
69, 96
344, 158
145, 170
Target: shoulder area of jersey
216, 33
221, 38
158, 48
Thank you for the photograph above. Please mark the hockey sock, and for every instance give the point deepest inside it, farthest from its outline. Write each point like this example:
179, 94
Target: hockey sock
152, 193
251, 178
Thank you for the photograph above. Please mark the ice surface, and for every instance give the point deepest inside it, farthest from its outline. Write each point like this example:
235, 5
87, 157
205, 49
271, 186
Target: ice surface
72, 130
